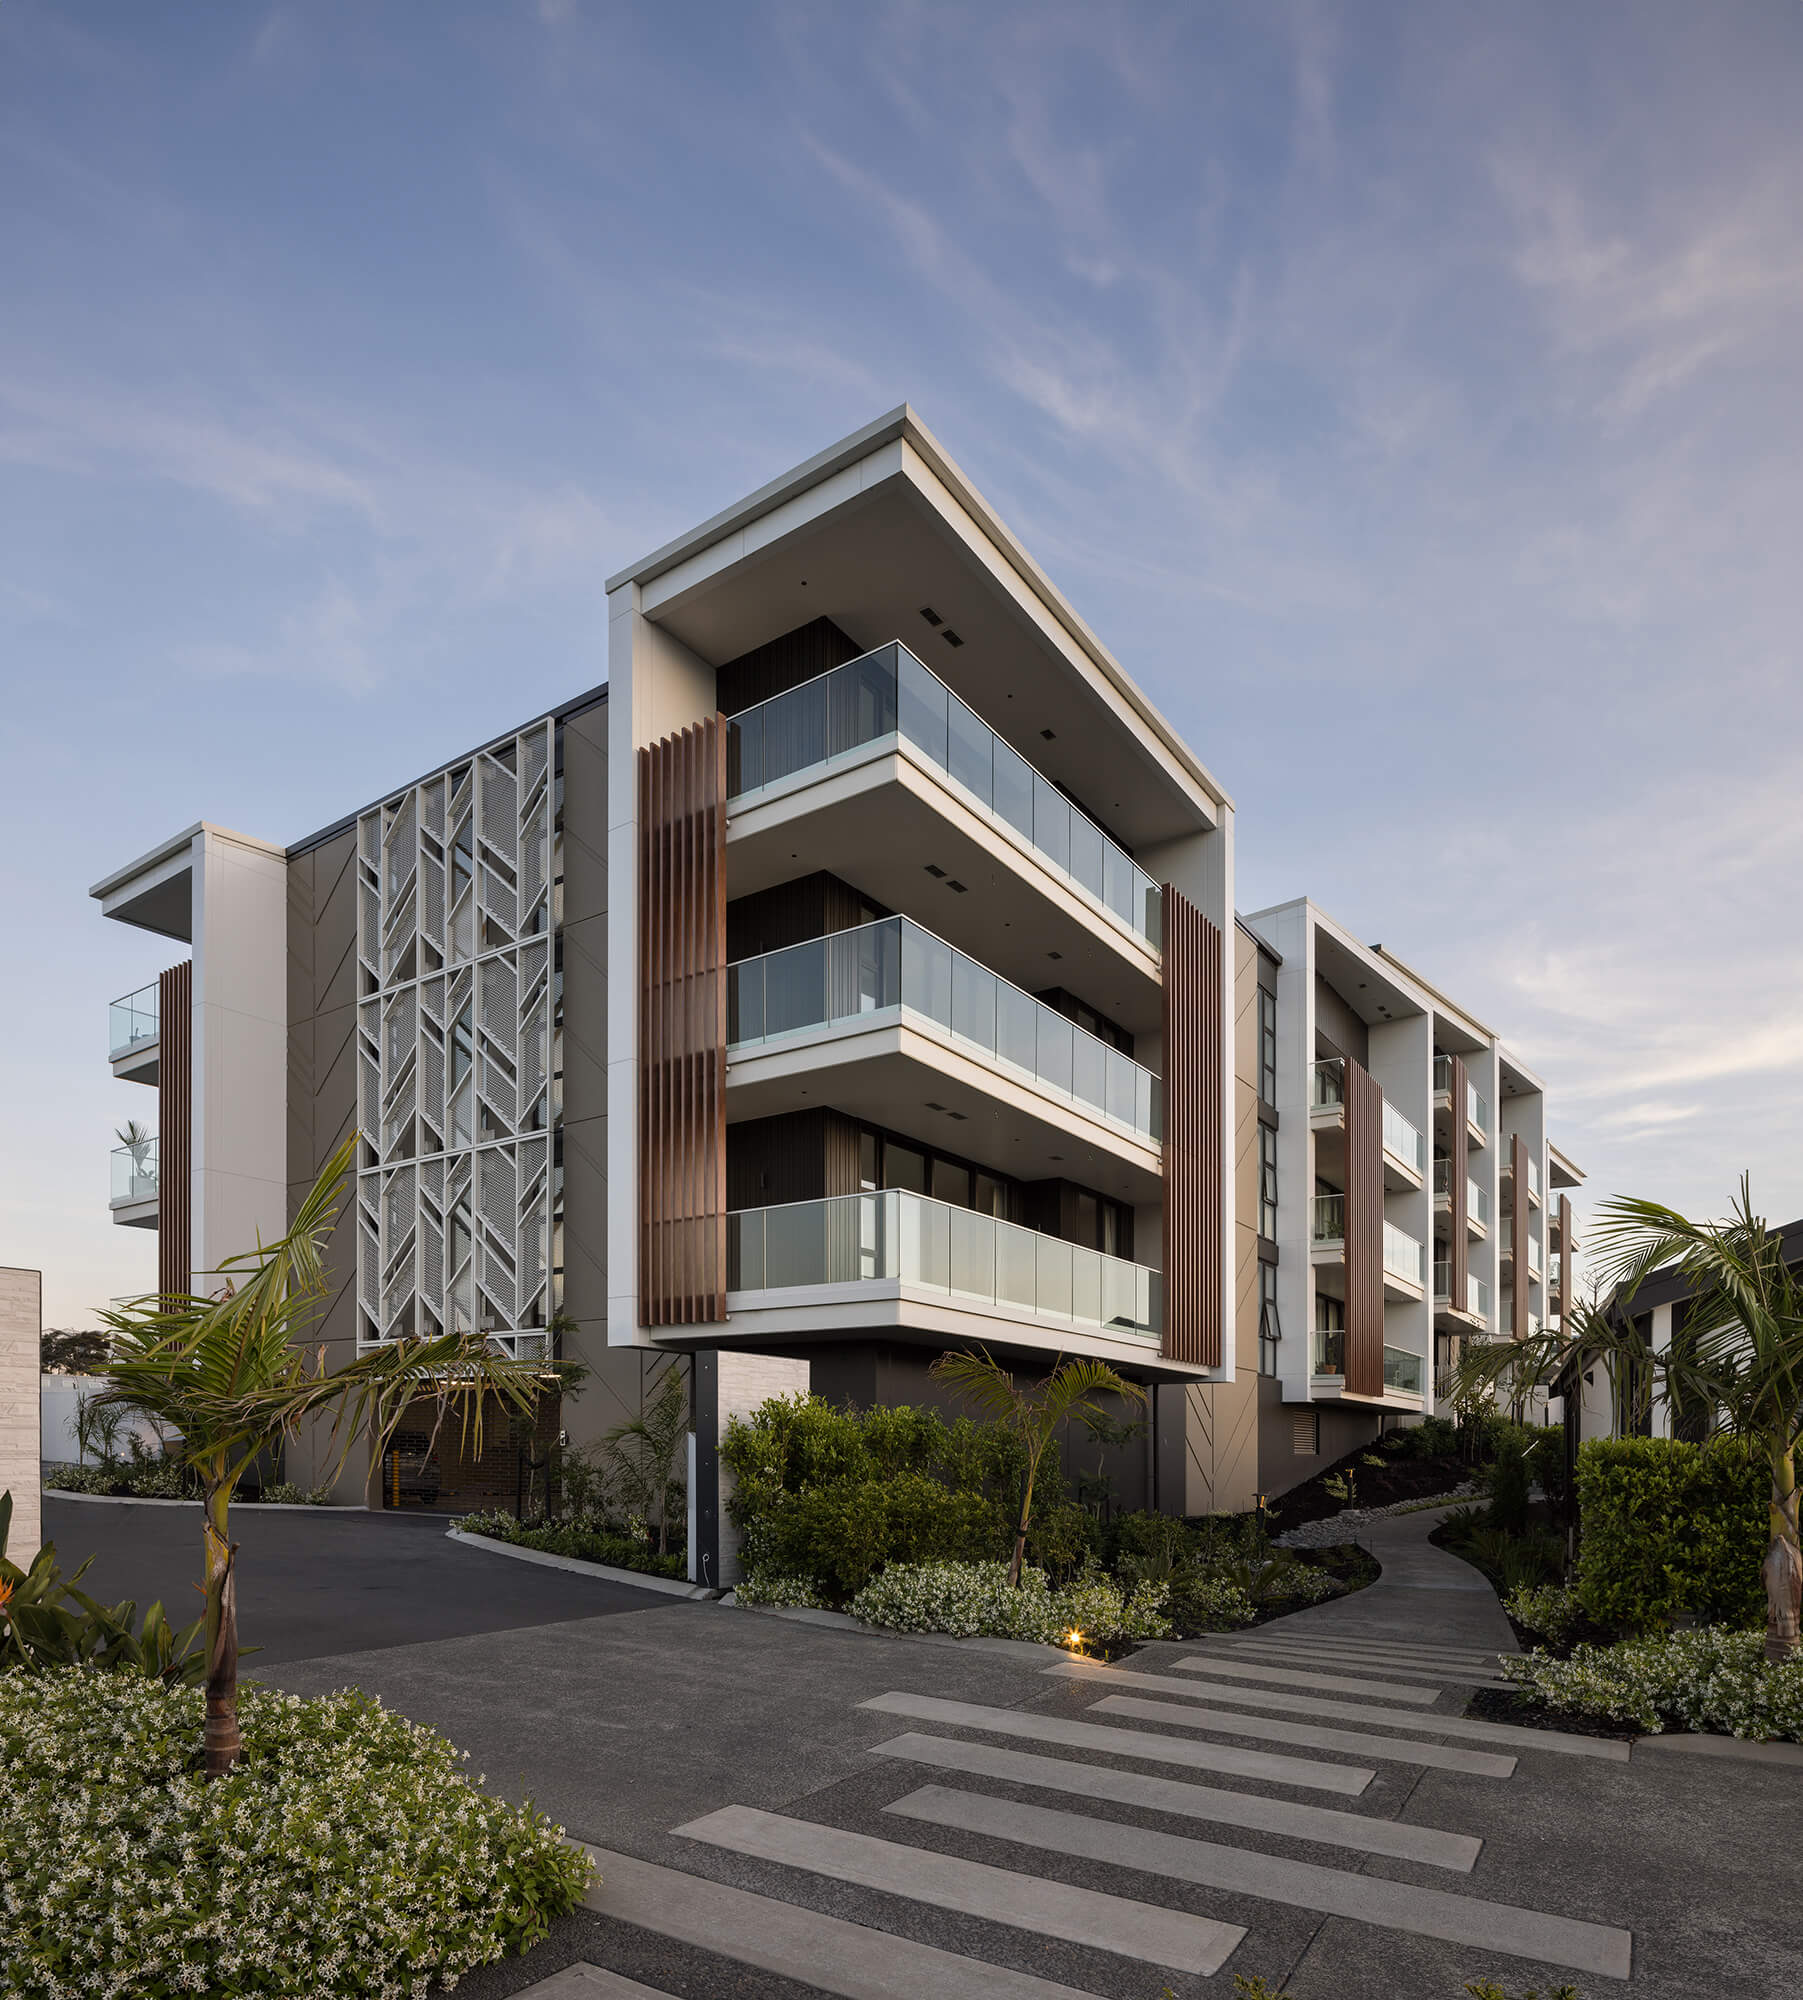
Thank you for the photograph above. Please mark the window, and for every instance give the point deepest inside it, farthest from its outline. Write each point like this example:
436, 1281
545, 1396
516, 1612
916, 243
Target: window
1330, 1335
1270, 1328
1267, 1182
1267, 1045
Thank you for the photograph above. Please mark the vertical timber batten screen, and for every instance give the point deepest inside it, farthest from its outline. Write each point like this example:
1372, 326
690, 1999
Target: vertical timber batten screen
1518, 1235
1194, 1104
1458, 1249
175, 1130
1364, 1232
682, 1027
1566, 1264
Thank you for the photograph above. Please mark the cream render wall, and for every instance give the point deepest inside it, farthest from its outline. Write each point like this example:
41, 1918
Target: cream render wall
21, 1322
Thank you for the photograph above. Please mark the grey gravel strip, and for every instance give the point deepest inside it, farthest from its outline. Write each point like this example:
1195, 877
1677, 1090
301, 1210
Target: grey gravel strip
1294, 1821
1301, 1635
1308, 1774
583, 1981
1135, 1930
1512, 1734
849, 1960
1312, 1736
1437, 1913
1332, 1683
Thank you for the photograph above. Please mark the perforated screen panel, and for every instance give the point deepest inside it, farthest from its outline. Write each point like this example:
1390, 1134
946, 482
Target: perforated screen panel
460, 1059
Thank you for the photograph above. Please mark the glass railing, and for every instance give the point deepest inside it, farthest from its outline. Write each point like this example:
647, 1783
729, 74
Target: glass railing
855, 1238
1533, 1177
1327, 1083
893, 963
1330, 1350
1477, 1106
1329, 1224
135, 1172
890, 693
1477, 1197
1403, 1370
132, 1020
1402, 1142
1477, 1293
1404, 1256
1534, 1257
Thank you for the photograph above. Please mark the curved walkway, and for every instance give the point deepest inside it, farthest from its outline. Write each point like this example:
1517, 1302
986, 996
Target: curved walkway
1424, 1596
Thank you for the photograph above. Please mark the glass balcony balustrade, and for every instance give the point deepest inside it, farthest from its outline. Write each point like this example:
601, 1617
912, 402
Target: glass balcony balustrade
1403, 1142
1477, 1105
889, 692
895, 964
1328, 1222
1533, 1177
1404, 1256
1535, 1258
907, 1238
132, 1021
1330, 1350
1403, 1371
1326, 1084
1477, 1293
135, 1172
1477, 1197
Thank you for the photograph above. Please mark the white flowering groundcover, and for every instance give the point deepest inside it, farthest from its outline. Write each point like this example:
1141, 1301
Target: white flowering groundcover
348, 1855
975, 1599
1711, 1681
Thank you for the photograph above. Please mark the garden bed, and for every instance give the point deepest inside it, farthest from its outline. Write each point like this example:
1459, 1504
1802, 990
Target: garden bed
347, 1853
580, 1541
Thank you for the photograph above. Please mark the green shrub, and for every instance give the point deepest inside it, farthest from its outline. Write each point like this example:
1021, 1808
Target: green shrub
347, 1854
1511, 1484
80, 1479
1709, 1680
577, 1539
1553, 1612
289, 1493
159, 1479
1205, 1601
972, 1599
842, 1534
1671, 1530
795, 1593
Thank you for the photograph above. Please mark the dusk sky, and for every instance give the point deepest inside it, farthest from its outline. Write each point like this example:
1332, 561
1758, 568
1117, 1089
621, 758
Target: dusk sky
1410, 396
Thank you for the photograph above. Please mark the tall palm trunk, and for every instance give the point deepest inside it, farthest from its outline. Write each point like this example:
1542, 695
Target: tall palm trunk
1783, 1567
1020, 1533
222, 1739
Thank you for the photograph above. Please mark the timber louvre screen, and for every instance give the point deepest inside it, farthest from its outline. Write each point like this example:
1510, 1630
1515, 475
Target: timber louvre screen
1193, 1134
459, 1063
1364, 1232
1458, 1243
175, 1130
682, 1027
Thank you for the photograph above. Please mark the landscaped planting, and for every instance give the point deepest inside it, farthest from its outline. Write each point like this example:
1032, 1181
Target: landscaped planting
969, 1600
345, 1854
586, 1540
1709, 1680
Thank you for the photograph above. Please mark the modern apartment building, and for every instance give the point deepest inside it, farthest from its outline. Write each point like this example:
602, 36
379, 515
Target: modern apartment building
853, 976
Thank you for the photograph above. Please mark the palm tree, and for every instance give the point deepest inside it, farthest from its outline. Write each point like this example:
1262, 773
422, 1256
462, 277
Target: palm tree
1741, 1354
1739, 1359
1032, 1415
228, 1376
643, 1450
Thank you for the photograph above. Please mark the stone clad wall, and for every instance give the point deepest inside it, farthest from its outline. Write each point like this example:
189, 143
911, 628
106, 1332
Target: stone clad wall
21, 1294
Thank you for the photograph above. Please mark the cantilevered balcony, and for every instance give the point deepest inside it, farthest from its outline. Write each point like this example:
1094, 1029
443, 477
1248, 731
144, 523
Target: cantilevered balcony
134, 1199
1404, 1256
878, 771
1473, 1309
896, 1259
892, 1024
1404, 1372
1476, 1107
1405, 1151
1477, 1198
134, 1035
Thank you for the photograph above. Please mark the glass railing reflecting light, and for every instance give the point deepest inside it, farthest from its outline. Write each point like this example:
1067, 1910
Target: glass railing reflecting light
132, 1021
1403, 1370
1402, 1141
856, 1238
1404, 1256
1477, 1293
1329, 1218
894, 963
135, 1172
1327, 1083
1330, 1350
889, 692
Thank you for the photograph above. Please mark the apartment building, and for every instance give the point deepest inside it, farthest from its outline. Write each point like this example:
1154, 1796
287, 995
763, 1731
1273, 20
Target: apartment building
841, 982
854, 975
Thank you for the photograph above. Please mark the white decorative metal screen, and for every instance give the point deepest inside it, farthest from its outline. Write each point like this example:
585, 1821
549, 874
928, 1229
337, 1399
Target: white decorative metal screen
460, 1072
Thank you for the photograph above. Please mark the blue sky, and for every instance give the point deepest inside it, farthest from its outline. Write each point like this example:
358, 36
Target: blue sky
1409, 395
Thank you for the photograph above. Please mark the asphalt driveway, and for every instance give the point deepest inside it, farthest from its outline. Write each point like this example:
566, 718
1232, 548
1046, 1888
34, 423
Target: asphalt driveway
325, 1580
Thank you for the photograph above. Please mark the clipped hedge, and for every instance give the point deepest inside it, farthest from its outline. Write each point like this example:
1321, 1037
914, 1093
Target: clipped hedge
1669, 1530
830, 1497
